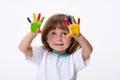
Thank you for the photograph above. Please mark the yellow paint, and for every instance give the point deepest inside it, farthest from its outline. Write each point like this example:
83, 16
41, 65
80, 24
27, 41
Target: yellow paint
74, 30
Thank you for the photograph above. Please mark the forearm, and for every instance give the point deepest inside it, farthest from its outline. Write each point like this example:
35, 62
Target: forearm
25, 44
85, 45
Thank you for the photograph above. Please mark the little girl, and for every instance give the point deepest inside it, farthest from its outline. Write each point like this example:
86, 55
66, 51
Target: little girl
60, 57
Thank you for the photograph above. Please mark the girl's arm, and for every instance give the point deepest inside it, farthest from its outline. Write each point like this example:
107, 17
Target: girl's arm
85, 45
25, 44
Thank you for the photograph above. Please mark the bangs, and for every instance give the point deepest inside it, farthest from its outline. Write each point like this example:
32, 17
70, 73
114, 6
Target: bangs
59, 25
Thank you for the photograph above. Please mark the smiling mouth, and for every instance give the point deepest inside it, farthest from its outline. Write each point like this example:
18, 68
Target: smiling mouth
59, 44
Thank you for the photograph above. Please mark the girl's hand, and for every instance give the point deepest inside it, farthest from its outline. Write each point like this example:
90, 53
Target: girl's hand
36, 23
74, 29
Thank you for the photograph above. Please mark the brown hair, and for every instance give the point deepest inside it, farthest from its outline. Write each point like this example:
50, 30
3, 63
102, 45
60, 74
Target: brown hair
54, 21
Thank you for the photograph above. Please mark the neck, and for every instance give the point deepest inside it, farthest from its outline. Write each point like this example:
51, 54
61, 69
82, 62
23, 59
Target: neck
60, 52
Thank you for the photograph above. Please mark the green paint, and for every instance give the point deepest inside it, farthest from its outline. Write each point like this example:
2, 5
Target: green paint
34, 27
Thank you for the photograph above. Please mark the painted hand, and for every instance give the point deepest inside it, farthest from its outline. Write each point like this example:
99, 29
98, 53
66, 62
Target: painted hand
35, 25
74, 28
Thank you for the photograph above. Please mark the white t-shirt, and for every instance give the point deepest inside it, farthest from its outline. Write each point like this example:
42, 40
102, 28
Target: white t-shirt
51, 66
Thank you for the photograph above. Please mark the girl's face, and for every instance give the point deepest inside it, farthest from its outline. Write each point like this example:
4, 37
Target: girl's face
58, 40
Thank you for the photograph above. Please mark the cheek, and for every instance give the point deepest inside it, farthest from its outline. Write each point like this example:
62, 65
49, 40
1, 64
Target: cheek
50, 40
67, 41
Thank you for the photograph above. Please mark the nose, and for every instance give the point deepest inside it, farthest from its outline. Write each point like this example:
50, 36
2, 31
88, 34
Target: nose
59, 37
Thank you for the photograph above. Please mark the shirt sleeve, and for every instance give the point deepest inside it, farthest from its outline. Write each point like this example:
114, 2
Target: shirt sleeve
37, 55
78, 60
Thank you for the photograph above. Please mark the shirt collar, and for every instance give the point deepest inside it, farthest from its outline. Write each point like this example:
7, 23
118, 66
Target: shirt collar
59, 56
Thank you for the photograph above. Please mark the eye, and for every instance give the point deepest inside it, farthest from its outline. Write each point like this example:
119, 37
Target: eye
64, 33
53, 33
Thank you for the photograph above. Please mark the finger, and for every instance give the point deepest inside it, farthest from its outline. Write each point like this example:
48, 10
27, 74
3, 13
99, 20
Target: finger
34, 17
69, 19
39, 31
41, 21
78, 21
69, 35
28, 19
38, 18
66, 22
73, 20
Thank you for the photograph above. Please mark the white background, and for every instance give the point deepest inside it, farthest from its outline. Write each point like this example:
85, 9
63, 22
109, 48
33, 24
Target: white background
100, 22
